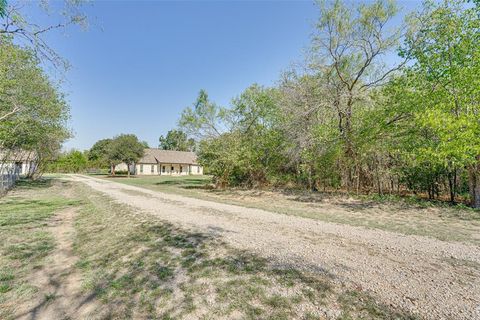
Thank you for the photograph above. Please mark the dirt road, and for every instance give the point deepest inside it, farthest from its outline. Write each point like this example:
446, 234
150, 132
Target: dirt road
427, 277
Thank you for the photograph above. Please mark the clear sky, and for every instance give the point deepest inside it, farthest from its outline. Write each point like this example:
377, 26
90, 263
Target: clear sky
141, 63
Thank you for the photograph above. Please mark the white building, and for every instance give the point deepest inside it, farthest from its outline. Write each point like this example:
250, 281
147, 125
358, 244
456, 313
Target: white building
164, 162
17, 162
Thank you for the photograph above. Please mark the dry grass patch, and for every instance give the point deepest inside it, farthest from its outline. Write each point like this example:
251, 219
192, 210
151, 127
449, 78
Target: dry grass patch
25, 241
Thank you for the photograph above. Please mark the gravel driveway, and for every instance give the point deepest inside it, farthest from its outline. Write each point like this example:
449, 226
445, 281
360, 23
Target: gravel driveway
428, 277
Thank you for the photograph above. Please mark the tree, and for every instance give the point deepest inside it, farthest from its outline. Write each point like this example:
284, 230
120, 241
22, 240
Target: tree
3, 8
33, 112
73, 161
176, 140
125, 148
248, 151
98, 153
349, 120
205, 119
14, 24
440, 92
347, 51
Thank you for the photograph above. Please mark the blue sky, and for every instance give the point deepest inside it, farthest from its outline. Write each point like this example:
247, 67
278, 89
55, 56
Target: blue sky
141, 63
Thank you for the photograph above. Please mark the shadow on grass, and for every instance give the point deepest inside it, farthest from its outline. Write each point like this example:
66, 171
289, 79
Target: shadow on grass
183, 182
30, 184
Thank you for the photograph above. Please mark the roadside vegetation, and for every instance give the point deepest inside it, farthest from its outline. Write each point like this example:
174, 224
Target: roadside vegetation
134, 265
351, 120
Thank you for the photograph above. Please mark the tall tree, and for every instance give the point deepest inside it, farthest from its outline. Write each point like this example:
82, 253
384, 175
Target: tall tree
33, 112
125, 148
443, 89
176, 140
98, 153
348, 48
205, 119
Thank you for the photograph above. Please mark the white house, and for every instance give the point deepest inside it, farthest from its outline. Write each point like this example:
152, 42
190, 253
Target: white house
17, 162
164, 162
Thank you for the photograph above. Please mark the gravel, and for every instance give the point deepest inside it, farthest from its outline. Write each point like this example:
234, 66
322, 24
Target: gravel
427, 277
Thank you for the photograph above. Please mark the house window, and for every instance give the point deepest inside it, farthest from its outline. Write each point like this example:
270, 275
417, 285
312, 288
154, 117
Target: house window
152, 170
163, 169
181, 169
198, 169
171, 168
141, 168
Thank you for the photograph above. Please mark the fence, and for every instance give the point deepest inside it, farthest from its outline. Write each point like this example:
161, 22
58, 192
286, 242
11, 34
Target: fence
7, 180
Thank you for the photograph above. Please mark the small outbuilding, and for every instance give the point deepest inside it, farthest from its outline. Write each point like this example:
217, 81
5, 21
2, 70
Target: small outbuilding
18, 162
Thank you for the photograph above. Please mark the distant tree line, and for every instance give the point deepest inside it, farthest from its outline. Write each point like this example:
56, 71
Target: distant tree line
104, 154
349, 118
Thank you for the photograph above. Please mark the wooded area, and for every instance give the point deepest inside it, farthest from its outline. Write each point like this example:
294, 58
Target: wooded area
378, 106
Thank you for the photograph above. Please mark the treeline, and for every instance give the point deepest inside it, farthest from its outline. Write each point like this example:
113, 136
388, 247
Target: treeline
104, 154
352, 117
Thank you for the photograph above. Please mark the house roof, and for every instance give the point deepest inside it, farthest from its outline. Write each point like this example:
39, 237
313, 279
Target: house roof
17, 155
168, 156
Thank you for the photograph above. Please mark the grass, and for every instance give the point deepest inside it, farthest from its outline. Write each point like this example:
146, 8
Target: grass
137, 266
25, 242
405, 216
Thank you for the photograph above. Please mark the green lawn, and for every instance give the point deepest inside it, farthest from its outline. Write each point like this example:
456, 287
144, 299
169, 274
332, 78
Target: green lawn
399, 215
188, 185
136, 266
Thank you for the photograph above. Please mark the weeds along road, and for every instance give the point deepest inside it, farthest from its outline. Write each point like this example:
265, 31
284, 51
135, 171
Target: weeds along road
431, 278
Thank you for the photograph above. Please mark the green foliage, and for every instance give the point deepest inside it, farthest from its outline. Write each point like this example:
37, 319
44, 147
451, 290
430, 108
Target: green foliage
434, 105
176, 140
204, 119
351, 121
110, 152
447, 54
33, 112
126, 148
3, 8
70, 162
98, 153
247, 154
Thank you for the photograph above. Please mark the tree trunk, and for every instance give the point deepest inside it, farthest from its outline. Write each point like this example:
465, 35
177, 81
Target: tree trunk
474, 183
128, 170
112, 169
452, 184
